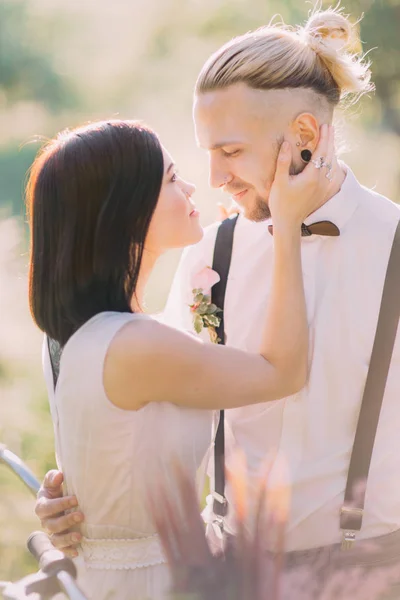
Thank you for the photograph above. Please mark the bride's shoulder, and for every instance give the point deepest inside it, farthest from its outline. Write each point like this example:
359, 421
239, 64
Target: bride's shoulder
147, 344
97, 334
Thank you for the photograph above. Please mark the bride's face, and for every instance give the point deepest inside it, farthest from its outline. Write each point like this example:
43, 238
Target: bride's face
175, 222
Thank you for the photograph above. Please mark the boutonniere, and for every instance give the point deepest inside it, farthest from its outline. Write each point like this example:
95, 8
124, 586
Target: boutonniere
205, 313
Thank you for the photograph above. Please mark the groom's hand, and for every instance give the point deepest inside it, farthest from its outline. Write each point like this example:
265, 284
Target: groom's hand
50, 508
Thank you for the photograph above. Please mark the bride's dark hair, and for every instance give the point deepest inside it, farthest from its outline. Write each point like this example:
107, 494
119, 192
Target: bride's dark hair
91, 195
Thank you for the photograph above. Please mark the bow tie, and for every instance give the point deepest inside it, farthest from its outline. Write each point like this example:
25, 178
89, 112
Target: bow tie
320, 228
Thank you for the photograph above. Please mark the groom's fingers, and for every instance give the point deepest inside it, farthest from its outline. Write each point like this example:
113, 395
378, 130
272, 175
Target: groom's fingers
52, 507
52, 484
63, 523
66, 543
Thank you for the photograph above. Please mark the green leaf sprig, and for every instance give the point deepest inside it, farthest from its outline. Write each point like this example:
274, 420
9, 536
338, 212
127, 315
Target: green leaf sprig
205, 315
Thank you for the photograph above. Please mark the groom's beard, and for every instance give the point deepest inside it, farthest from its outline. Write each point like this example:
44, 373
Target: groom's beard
260, 210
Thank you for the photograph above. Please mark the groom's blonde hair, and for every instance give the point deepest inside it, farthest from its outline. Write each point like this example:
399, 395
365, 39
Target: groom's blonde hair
314, 57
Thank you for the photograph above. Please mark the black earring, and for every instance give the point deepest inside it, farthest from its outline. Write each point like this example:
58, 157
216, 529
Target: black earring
306, 155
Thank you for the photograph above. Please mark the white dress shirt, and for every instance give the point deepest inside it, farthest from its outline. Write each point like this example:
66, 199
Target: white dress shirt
314, 429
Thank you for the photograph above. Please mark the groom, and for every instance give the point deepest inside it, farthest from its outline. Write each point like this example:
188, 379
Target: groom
250, 95
313, 432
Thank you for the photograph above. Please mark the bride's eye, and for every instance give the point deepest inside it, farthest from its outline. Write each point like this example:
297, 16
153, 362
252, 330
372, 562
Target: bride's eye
174, 176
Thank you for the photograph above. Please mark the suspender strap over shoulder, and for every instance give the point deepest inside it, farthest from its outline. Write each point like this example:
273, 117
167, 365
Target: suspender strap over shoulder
386, 331
221, 264
352, 511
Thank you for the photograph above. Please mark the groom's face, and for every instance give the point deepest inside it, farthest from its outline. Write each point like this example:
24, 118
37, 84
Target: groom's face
242, 129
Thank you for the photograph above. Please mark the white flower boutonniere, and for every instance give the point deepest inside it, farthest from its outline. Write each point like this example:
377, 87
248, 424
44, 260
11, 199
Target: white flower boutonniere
205, 313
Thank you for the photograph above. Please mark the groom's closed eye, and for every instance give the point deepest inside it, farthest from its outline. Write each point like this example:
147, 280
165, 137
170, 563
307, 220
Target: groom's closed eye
231, 154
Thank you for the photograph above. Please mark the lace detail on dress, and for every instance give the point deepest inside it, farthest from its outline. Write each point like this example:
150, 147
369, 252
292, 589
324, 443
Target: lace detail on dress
55, 351
122, 553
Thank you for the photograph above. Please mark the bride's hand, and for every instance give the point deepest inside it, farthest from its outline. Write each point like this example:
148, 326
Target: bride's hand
294, 197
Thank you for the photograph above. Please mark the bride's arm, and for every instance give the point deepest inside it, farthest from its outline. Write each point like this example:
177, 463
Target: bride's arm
151, 362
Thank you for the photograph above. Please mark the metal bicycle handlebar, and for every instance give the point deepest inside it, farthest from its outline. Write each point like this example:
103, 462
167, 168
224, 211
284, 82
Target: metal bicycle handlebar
57, 572
19, 468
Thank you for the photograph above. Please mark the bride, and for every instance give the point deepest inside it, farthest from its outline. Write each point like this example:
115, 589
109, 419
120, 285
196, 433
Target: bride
132, 395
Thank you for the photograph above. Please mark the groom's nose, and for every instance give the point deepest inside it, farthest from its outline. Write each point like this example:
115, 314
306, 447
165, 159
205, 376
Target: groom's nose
219, 174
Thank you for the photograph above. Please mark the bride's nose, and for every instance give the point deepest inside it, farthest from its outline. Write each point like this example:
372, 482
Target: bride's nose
189, 189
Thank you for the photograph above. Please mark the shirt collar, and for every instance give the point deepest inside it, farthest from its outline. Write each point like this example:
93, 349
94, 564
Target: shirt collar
342, 205
337, 209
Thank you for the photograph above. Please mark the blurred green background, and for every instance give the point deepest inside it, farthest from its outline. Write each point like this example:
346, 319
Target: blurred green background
64, 63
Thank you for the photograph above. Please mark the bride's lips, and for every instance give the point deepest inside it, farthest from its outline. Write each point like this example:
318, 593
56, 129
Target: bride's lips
194, 213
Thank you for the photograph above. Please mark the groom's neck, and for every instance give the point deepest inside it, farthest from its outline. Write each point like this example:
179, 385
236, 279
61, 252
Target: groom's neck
339, 175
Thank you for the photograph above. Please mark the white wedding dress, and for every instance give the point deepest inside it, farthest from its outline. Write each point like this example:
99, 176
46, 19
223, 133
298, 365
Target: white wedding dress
110, 458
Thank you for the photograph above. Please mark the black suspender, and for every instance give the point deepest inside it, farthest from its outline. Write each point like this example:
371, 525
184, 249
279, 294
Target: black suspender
221, 264
351, 514
353, 506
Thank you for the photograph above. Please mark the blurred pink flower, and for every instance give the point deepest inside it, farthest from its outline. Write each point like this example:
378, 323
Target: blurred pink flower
252, 564
204, 280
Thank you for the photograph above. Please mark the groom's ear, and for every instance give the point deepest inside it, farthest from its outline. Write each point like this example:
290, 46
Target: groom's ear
306, 131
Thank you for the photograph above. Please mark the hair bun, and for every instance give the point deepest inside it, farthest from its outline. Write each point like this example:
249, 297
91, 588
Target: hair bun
328, 29
331, 35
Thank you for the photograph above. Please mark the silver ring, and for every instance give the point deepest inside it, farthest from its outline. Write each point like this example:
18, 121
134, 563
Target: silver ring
328, 174
318, 162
